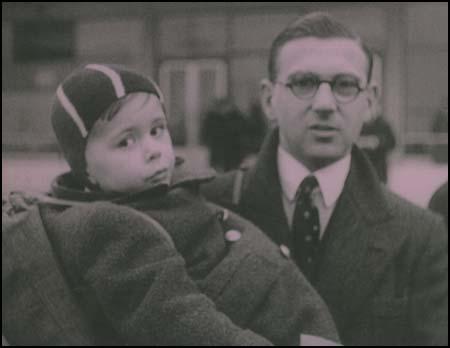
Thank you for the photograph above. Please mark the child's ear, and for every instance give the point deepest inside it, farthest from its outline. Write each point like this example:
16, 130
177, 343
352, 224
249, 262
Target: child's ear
91, 184
91, 179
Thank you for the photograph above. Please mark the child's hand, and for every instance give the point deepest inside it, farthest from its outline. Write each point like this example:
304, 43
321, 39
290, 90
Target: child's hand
309, 340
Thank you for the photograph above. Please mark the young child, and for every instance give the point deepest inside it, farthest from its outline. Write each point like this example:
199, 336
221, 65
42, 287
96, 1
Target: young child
223, 283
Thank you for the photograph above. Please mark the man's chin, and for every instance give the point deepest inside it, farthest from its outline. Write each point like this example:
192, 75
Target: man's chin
323, 155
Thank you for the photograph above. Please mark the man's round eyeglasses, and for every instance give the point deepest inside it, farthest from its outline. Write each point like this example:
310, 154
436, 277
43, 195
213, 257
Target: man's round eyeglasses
345, 88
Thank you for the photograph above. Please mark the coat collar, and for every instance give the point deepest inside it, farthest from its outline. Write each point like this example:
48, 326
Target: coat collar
361, 184
66, 187
331, 178
261, 198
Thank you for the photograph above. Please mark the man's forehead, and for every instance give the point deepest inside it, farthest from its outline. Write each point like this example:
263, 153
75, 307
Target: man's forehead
323, 56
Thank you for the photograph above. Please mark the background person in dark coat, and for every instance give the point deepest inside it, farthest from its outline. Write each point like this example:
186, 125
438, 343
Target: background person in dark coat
224, 131
380, 263
439, 202
377, 140
439, 151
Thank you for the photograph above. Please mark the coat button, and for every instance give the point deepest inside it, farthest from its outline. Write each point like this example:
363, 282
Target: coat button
233, 235
285, 251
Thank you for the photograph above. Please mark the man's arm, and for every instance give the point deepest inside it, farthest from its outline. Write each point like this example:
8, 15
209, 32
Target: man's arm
429, 298
293, 307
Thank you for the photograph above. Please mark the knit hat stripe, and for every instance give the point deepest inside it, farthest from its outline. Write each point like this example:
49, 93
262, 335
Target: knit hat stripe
115, 78
158, 91
71, 111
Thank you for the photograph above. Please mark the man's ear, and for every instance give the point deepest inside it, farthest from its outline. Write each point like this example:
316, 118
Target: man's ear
373, 100
266, 91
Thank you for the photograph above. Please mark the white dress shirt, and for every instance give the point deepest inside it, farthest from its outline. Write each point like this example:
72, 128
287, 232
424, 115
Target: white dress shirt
331, 181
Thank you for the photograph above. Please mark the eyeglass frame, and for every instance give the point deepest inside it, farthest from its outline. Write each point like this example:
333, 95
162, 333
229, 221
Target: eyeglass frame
321, 81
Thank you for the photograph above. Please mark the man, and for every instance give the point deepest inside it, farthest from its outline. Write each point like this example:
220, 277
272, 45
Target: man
380, 263
439, 202
223, 132
377, 141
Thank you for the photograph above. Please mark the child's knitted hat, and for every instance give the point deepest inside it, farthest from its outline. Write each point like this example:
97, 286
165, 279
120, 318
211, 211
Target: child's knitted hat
83, 97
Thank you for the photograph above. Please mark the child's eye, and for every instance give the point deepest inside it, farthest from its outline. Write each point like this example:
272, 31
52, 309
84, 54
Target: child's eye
126, 142
158, 131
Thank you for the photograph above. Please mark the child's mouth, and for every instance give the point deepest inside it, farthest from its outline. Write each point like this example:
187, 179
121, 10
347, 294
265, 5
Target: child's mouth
158, 176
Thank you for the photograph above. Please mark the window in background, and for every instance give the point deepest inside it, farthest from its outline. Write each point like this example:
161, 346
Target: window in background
43, 40
189, 86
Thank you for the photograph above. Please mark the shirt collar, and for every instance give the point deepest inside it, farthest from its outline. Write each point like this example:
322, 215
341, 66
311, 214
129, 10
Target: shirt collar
331, 178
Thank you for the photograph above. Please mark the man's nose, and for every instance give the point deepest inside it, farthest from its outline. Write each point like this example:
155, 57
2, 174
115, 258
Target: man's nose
324, 102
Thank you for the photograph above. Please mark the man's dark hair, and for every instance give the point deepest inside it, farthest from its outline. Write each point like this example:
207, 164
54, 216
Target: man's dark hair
318, 25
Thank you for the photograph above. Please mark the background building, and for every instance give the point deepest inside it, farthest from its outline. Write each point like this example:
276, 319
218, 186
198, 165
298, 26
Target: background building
200, 51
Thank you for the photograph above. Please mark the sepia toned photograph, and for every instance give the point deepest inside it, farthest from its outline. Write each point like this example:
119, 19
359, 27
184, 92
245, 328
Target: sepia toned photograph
225, 173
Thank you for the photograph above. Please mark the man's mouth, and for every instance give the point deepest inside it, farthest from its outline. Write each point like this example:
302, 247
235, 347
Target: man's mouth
320, 127
323, 132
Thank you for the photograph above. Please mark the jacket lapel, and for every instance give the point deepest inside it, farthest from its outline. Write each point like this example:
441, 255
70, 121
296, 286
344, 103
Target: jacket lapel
356, 249
261, 198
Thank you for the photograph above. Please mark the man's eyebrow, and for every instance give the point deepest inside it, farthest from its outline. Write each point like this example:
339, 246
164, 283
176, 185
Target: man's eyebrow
159, 118
305, 73
357, 78
300, 73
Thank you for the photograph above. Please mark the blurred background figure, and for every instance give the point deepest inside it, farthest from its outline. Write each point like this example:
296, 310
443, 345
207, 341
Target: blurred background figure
256, 129
223, 132
439, 151
233, 138
378, 140
439, 202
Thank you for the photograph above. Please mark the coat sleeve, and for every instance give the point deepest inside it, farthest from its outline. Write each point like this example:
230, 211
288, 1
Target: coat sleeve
292, 307
142, 285
429, 298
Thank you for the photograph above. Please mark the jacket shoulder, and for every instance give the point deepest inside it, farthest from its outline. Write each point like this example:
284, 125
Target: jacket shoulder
220, 189
415, 221
402, 208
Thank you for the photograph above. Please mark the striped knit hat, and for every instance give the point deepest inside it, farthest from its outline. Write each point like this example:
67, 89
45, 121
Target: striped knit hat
83, 97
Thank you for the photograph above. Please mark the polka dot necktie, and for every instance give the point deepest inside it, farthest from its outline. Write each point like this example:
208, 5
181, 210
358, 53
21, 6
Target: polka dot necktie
306, 227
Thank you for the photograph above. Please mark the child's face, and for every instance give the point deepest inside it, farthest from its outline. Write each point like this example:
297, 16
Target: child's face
132, 151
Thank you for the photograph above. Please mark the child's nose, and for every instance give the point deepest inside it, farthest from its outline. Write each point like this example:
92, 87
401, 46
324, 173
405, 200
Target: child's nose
151, 156
151, 150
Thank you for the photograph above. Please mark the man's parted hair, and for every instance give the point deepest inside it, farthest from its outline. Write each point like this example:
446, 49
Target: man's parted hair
319, 25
